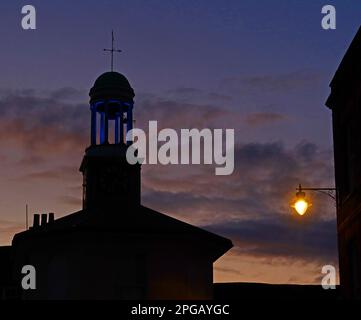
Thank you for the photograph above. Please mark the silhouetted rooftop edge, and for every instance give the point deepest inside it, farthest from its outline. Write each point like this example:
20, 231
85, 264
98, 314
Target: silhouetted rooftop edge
348, 70
144, 221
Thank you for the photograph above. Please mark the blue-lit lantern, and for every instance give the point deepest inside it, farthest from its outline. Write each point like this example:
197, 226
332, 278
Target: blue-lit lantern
111, 99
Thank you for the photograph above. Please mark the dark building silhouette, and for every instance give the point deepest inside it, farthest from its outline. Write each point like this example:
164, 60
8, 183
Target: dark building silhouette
345, 103
114, 248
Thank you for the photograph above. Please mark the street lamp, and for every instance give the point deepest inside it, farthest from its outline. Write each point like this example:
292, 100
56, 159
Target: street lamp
301, 204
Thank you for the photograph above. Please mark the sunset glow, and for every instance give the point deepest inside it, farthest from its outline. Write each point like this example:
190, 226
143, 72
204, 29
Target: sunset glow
205, 64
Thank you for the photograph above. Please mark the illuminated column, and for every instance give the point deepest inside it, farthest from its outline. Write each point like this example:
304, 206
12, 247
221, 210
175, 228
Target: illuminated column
102, 127
121, 124
116, 129
129, 121
93, 126
106, 123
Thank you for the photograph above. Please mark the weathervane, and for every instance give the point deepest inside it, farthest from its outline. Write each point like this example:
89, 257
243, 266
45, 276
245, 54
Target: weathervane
112, 50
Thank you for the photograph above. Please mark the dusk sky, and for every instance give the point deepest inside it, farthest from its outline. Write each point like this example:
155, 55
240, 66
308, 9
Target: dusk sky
260, 67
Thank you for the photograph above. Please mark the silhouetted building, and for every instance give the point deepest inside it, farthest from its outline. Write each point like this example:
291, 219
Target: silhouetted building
345, 103
115, 248
8, 290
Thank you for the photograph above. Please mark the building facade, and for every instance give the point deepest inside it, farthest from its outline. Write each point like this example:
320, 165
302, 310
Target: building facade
345, 104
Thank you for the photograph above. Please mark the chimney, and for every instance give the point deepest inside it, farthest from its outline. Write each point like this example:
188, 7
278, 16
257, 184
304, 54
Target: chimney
44, 218
36, 222
51, 217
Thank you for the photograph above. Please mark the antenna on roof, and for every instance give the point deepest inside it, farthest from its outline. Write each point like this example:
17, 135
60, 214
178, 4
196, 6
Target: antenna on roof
26, 217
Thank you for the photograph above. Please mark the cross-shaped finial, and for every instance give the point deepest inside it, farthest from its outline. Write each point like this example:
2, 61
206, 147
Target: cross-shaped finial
112, 50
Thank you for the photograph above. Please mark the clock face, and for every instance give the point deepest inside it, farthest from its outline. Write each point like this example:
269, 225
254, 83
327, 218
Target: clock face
112, 180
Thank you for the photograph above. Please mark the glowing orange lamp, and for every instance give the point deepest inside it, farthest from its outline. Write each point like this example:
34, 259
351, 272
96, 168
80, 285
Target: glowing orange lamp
301, 204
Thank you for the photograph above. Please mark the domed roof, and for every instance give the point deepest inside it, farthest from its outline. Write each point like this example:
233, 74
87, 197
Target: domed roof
111, 85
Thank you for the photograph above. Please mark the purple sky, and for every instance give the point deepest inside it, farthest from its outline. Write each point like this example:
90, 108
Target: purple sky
260, 67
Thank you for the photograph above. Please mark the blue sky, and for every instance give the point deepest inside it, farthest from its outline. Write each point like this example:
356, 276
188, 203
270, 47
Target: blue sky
180, 43
173, 44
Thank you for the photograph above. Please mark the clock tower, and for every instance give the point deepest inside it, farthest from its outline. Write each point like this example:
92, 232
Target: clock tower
109, 181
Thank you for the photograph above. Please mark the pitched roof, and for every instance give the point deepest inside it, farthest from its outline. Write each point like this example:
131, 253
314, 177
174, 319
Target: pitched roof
141, 221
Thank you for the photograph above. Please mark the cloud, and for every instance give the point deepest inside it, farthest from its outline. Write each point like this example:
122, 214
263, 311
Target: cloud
275, 83
38, 141
252, 206
43, 137
264, 172
286, 237
267, 269
171, 113
264, 118
8, 229
219, 97
181, 91
45, 126
63, 172
67, 93
71, 200
196, 95
39, 126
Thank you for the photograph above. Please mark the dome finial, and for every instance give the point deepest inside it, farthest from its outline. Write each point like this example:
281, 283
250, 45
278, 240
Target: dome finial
112, 50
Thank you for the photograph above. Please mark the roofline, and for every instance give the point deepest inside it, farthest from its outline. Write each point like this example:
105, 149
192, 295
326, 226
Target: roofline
341, 78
